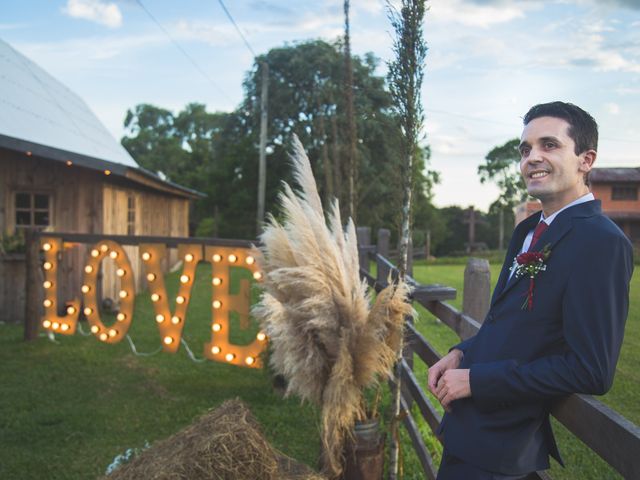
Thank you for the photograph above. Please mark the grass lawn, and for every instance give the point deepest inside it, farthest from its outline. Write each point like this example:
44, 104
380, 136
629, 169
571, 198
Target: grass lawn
68, 408
581, 463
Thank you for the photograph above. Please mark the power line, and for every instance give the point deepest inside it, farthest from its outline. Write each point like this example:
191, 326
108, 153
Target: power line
237, 28
182, 50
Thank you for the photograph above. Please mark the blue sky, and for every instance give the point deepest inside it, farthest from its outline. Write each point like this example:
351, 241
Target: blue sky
488, 62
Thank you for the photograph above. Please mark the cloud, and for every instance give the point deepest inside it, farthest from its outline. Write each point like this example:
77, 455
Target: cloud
107, 14
612, 108
481, 15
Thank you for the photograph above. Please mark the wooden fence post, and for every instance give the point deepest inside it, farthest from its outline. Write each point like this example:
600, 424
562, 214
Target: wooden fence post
477, 289
384, 234
364, 240
33, 284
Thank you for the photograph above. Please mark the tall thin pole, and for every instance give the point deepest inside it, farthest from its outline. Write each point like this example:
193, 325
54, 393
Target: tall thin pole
352, 161
262, 166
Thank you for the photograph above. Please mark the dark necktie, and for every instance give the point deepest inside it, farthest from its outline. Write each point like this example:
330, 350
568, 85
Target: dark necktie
540, 228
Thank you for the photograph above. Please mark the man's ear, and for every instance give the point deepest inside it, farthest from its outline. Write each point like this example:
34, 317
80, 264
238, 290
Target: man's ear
587, 159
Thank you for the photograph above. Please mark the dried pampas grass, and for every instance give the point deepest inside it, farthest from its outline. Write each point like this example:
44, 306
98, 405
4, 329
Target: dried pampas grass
326, 339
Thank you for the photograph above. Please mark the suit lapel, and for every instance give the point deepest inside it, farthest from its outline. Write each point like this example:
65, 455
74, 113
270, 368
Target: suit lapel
517, 239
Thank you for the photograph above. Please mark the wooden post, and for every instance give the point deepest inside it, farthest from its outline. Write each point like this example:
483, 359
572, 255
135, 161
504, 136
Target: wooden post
364, 240
427, 245
477, 289
384, 234
33, 285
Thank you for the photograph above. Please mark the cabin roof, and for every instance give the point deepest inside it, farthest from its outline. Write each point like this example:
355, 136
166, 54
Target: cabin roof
40, 115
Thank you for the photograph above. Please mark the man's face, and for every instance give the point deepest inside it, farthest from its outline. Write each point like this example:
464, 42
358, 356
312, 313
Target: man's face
549, 165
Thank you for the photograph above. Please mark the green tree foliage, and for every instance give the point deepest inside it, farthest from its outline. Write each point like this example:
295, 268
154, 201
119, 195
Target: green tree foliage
502, 167
217, 153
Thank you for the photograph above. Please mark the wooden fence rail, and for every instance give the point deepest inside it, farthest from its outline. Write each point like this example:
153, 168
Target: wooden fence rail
607, 433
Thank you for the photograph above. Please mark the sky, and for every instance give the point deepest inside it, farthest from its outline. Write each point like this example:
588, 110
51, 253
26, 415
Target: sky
488, 62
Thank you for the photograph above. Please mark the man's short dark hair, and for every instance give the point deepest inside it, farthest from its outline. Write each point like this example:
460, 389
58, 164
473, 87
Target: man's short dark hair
583, 129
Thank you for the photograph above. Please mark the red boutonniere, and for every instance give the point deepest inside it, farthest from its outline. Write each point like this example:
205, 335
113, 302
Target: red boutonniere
531, 264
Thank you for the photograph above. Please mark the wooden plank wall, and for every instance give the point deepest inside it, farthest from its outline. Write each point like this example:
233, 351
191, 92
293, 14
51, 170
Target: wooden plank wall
76, 204
156, 214
86, 201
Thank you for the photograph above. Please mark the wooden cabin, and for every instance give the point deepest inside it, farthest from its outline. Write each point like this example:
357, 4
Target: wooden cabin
61, 170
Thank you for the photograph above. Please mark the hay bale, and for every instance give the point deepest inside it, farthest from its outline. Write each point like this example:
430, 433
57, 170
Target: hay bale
224, 444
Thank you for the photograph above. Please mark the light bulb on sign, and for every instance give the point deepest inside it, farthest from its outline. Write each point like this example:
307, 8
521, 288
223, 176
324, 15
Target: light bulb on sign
103, 337
104, 247
216, 281
85, 288
47, 303
257, 275
159, 318
250, 261
95, 253
180, 299
175, 320
71, 310
216, 327
261, 336
229, 357
120, 317
113, 254
46, 324
216, 304
155, 297
47, 284
120, 272
151, 277
87, 311
55, 325
249, 360
184, 278
123, 294
188, 257
113, 332
46, 247
47, 265
168, 340
216, 258
215, 350
64, 327
95, 329
88, 269
233, 258
146, 256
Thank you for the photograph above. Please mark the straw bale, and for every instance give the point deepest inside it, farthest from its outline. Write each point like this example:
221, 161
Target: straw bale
223, 444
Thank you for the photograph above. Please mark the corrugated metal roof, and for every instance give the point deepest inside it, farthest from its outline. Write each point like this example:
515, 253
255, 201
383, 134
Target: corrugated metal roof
621, 174
37, 108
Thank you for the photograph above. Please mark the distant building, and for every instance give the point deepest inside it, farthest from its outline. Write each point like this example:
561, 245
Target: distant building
61, 171
617, 189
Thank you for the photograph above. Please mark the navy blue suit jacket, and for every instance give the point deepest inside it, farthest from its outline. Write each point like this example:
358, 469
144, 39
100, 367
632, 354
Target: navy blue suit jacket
521, 360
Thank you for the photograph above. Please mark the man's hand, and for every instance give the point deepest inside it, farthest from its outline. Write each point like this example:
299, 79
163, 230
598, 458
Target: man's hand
450, 361
453, 385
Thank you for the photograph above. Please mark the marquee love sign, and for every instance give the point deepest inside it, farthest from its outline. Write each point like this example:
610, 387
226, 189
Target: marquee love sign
170, 324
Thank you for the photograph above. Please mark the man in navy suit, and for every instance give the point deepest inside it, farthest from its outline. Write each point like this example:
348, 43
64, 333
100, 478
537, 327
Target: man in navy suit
555, 334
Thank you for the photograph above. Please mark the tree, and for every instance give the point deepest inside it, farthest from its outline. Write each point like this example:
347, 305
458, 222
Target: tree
405, 80
502, 167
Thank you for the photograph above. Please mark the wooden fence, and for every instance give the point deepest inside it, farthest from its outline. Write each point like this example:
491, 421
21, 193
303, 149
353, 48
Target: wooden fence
607, 433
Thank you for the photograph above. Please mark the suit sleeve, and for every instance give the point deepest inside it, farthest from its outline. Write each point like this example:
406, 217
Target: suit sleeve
464, 345
594, 310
